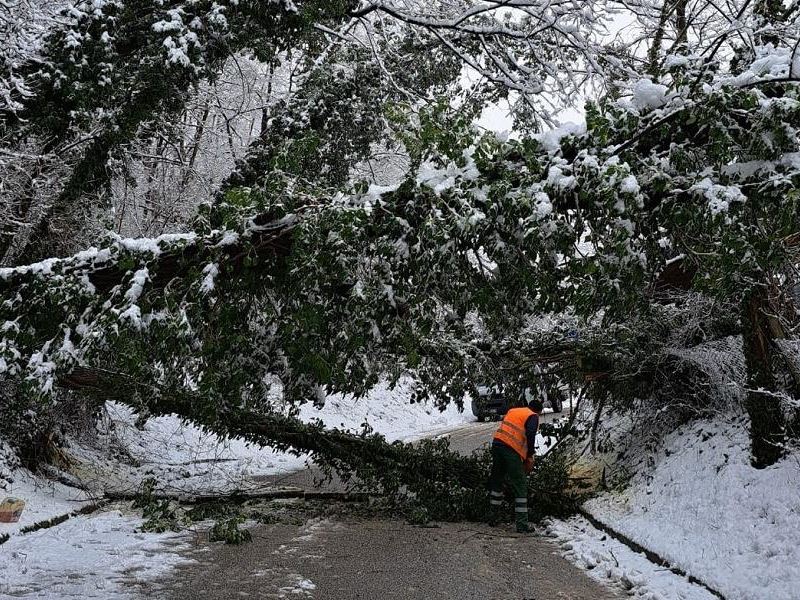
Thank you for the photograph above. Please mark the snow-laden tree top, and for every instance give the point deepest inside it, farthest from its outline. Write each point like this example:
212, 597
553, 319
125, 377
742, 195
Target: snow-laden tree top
684, 175
333, 291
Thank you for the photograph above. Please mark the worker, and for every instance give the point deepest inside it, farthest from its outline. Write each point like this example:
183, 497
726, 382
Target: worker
512, 458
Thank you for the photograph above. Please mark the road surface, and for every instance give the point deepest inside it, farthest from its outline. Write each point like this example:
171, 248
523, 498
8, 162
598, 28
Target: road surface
345, 556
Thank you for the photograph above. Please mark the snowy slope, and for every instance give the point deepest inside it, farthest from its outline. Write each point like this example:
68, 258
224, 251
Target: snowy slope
44, 499
614, 564
707, 511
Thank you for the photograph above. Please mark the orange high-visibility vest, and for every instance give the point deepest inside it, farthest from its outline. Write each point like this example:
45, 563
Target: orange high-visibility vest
512, 430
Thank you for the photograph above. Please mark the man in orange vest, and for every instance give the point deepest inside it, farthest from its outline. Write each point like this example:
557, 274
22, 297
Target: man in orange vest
512, 459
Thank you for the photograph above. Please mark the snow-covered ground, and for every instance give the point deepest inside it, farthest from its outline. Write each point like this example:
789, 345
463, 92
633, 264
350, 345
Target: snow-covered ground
182, 458
707, 511
694, 500
44, 499
103, 555
703, 508
97, 556
616, 565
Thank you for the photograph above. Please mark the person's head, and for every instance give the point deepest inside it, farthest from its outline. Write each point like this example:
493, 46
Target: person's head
536, 406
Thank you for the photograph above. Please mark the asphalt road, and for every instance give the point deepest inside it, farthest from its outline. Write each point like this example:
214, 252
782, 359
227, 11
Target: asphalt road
345, 557
380, 560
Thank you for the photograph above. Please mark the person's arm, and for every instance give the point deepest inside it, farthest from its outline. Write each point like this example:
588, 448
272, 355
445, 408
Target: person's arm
531, 427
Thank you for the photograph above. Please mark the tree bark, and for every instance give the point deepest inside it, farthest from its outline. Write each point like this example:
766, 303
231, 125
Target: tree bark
272, 240
767, 422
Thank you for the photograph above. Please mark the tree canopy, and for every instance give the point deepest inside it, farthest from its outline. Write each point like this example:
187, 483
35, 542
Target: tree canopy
301, 273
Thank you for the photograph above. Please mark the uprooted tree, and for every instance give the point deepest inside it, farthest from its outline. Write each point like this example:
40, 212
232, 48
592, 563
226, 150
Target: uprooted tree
318, 286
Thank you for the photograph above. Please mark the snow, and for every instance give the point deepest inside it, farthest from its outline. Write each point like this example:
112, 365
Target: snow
152, 245
103, 555
629, 185
94, 256
673, 61
388, 412
556, 178
551, 140
96, 556
229, 238
437, 179
133, 315
542, 206
44, 499
719, 197
707, 511
300, 588
770, 62
648, 95
137, 285
210, 271
613, 563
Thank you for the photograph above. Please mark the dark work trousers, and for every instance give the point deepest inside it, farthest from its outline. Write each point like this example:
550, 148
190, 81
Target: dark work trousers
507, 466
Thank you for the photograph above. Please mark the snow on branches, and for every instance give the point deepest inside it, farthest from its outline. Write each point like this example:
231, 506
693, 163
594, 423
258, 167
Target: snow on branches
294, 274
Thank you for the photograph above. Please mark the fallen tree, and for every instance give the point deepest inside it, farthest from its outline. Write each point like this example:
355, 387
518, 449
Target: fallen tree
422, 476
325, 293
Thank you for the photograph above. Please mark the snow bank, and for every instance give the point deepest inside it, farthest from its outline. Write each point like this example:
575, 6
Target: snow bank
707, 511
612, 563
388, 412
44, 499
100, 556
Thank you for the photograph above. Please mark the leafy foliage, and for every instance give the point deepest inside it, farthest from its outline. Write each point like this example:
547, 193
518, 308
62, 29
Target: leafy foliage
299, 279
228, 531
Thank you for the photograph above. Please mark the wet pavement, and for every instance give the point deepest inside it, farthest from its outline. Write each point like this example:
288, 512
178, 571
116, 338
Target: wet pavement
350, 557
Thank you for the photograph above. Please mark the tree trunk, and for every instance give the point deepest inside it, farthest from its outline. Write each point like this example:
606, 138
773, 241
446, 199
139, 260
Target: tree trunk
767, 422
369, 457
654, 52
681, 27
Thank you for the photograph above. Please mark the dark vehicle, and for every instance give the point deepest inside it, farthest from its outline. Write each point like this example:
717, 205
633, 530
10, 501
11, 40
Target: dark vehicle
491, 404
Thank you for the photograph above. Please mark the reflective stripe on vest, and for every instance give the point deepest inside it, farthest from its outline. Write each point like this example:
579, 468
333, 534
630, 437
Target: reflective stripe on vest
512, 430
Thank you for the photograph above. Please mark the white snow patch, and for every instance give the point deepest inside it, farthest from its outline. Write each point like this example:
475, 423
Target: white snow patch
210, 271
611, 562
629, 185
95, 556
648, 95
720, 197
551, 140
299, 588
44, 499
707, 511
